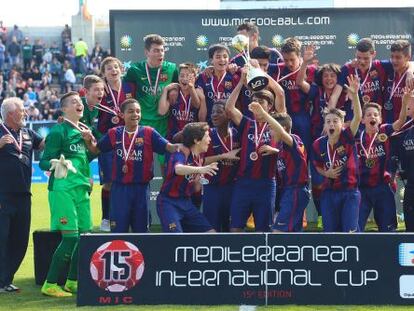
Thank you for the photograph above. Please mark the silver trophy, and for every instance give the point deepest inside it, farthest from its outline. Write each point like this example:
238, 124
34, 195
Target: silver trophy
256, 78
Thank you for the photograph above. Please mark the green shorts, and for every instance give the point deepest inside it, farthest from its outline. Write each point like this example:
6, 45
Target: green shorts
70, 210
161, 127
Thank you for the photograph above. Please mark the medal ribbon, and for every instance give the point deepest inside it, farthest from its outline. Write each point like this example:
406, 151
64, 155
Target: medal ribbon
331, 160
395, 87
187, 106
367, 152
258, 138
361, 87
116, 102
229, 131
126, 153
80, 126
289, 74
216, 91
154, 92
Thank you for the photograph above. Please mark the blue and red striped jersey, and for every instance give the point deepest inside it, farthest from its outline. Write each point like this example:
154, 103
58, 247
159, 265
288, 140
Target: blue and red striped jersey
214, 91
178, 186
371, 83
376, 169
104, 118
140, 164
295, 99
265, 166
292, 167
180, 115
227, 169
344, 153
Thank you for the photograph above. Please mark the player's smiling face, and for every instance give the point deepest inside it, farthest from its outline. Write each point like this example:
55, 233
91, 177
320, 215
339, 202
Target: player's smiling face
399, 60
220, 60
329, 79
218, 115
131, 115
155, 55
185, 77
333, 125
364, 59
112, 71
372, 118
73, 110
95, 93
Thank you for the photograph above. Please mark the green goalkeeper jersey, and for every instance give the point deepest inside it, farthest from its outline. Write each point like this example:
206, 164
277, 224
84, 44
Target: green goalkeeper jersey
146, 94
65, 139
90, 118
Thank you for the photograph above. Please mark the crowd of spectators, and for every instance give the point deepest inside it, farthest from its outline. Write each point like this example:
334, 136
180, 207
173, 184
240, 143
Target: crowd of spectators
38, 72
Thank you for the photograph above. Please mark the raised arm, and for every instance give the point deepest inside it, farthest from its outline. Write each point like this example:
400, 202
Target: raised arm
408, 95
352, 89
233, 113
280, 103
164, 104
202, 109
308, 56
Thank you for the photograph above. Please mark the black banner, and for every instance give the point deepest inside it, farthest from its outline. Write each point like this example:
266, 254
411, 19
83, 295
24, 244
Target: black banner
252, 269
188, 34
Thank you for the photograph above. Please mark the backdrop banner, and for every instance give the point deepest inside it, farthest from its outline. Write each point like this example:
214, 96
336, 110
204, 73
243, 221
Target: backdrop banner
251, 269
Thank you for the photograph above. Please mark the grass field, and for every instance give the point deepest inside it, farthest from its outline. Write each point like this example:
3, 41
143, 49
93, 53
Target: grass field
30, 298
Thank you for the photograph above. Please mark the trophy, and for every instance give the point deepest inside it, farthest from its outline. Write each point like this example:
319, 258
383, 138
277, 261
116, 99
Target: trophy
256, 78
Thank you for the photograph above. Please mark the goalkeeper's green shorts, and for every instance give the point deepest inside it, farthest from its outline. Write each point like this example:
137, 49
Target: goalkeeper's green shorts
70, 210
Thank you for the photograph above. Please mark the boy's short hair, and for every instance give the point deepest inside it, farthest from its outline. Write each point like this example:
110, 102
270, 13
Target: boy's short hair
371, 105
153, 39
190, 66
90, 80
326, 67
220, 102
365, 45
284, 120
336, 111
260, 52
64, 100
194, 131
264, 94
291, 45
217, 48
401, 46
126, 103
108, 60
249, 27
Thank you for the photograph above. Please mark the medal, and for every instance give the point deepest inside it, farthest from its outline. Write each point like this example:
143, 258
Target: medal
382, 137
366, 99
154, 90
370, 163
127, 152
197, 160
254, 156
115, 119
388, 105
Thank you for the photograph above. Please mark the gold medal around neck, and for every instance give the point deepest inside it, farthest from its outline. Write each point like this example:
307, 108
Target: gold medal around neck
125, 168
254, 156
382, 137
366, 99
370, 163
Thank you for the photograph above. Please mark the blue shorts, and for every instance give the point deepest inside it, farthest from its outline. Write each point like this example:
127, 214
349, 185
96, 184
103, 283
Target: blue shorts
216, 205
301, 126
340, 210
381, 199
129, 207
180, 215
255, 196
293, 202
105, 167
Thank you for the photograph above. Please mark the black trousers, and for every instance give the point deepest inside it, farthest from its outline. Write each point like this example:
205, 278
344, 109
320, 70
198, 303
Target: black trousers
408, 207
14, 233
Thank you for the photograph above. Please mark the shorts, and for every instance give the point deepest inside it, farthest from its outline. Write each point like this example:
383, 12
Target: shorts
216, 205
70, 210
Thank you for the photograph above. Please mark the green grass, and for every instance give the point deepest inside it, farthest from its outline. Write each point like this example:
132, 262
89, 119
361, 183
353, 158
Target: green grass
30, 298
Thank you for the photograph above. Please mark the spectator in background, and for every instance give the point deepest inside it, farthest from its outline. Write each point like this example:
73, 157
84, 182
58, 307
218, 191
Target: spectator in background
33, 113
69, 78
38, 51
47, 56
44, 66
97, 51
56, 69
55, 50
20, 88
81, 55
27, 53
45, 111
3, 87
3, 33
46, 79
37, 76
16, 32
66, 35
14, 52
2, 55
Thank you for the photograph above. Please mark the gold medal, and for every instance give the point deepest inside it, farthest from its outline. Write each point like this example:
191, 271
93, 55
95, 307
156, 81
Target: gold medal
382, 137
254, 156
370, 163
125, 168
366, 99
